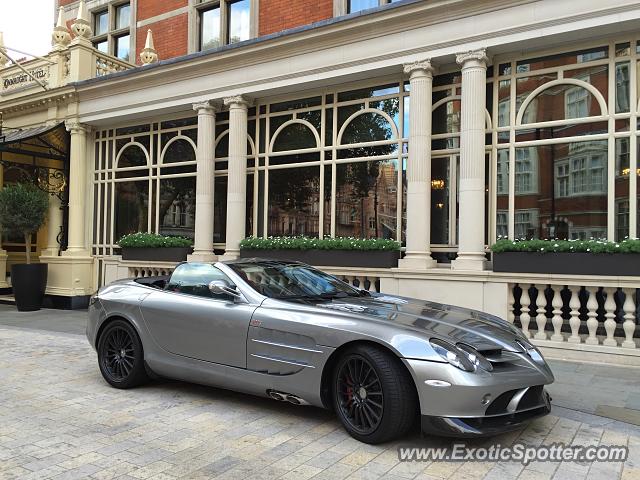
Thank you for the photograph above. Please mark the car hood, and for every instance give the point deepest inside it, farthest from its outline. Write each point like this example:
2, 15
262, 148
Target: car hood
432, 319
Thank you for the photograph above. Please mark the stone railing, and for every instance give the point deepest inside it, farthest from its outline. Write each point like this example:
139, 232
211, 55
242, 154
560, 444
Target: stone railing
364, 278
590, 315
114, 268
106, 64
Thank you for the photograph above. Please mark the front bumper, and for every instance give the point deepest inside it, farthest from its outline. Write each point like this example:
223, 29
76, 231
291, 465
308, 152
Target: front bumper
488, 425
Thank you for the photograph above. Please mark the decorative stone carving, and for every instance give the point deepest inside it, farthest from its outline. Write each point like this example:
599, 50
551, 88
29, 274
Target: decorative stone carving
421, 67
478, 56
149, 55
238, 100
74, 127
61, 36
206, 107
82, 25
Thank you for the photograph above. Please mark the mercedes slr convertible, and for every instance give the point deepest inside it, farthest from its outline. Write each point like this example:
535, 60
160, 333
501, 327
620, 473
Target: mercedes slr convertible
288, 331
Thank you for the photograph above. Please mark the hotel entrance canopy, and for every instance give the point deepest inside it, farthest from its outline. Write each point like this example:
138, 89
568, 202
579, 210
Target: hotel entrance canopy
40, 156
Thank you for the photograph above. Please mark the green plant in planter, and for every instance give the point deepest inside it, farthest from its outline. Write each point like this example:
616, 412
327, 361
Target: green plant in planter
23, 210
153, 240
627, 245
328, 243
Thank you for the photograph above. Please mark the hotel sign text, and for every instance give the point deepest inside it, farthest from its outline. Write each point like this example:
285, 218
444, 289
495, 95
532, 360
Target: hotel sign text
21, 79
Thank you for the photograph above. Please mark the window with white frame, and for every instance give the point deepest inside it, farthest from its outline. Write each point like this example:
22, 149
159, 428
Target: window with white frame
222, 22
112, 30
502, 223
526, 171
526, 223
577, 102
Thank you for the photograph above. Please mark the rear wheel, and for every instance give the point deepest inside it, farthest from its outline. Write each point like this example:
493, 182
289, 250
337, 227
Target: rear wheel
374, 395
120, 355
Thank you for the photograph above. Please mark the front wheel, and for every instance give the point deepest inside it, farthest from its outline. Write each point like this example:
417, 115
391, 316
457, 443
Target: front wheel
120, 355
374, 394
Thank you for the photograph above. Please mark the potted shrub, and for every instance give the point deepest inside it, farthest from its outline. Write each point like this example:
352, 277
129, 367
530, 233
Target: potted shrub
155, 248
339, 251
23, 209
576, 257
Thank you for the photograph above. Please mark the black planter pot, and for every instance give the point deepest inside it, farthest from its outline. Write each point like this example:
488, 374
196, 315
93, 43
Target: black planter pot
173, 254
29, 283
610, 264
331, 258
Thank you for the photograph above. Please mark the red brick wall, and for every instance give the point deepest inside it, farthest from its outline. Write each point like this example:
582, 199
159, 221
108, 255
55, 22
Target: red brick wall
62, 3
170, 37
277, 15
151, 8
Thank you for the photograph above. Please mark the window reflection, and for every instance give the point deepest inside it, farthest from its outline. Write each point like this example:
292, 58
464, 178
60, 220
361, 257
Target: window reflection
132, 207
210, 28
294, 199
177, 206
239, 21
570, 198
366, 199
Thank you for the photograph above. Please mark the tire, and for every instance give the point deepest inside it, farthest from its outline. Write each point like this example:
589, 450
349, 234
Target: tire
120, 355
374, 395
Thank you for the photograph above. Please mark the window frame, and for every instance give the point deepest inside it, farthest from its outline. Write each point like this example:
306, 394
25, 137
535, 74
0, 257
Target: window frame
198, 7
113, 33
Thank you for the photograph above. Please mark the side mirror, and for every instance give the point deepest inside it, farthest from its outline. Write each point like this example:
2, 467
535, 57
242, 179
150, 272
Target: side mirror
222, 287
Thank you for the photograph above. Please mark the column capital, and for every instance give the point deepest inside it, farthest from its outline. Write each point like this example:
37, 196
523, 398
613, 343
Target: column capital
74, 127
472, 58
206, 107
419, 68
238, 101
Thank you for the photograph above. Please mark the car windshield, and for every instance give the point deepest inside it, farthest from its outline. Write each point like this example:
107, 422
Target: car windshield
292, 280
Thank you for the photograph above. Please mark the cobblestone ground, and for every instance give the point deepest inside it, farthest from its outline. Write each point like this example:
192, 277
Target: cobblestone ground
59, 419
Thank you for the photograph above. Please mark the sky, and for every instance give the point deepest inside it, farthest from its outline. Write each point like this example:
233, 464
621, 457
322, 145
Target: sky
27, 25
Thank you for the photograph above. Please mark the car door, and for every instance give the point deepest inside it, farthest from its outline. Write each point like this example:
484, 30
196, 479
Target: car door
187, 319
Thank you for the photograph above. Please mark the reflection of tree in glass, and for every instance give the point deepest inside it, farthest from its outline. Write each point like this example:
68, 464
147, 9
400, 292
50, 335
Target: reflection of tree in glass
359, 178
131, 207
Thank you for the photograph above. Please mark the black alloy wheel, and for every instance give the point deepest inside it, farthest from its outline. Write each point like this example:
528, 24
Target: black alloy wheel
360, 395
374, 394
120, 355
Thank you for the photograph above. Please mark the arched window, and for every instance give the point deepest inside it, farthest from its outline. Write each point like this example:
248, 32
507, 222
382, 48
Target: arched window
296, 135
562, 100
179, 150
367, 126
132, 155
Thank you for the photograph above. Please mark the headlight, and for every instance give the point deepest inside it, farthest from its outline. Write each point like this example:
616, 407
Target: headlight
475, 357
452, 354
532, 351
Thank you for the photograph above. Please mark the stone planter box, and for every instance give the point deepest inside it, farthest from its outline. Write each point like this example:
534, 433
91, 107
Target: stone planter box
331, 258
623, 264
173, 254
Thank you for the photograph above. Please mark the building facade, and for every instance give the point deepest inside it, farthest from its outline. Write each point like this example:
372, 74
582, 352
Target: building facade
442, 124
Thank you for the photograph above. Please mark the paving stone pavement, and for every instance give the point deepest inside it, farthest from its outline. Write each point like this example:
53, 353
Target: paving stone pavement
59, 419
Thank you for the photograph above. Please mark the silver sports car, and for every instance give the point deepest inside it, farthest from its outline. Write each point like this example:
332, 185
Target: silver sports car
291, 332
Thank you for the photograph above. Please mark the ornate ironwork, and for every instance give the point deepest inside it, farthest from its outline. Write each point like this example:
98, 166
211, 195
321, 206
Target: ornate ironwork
50, 180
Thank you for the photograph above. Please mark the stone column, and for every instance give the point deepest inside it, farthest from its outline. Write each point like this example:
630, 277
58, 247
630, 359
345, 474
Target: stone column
54, 222
418, 253
203, 241
3, 252
471, 254
237, 179
77, 189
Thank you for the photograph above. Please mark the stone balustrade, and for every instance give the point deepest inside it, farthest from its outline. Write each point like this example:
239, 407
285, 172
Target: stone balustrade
106, 64
603, 316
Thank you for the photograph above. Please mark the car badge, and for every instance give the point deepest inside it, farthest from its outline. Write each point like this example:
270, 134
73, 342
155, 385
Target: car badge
255, 322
